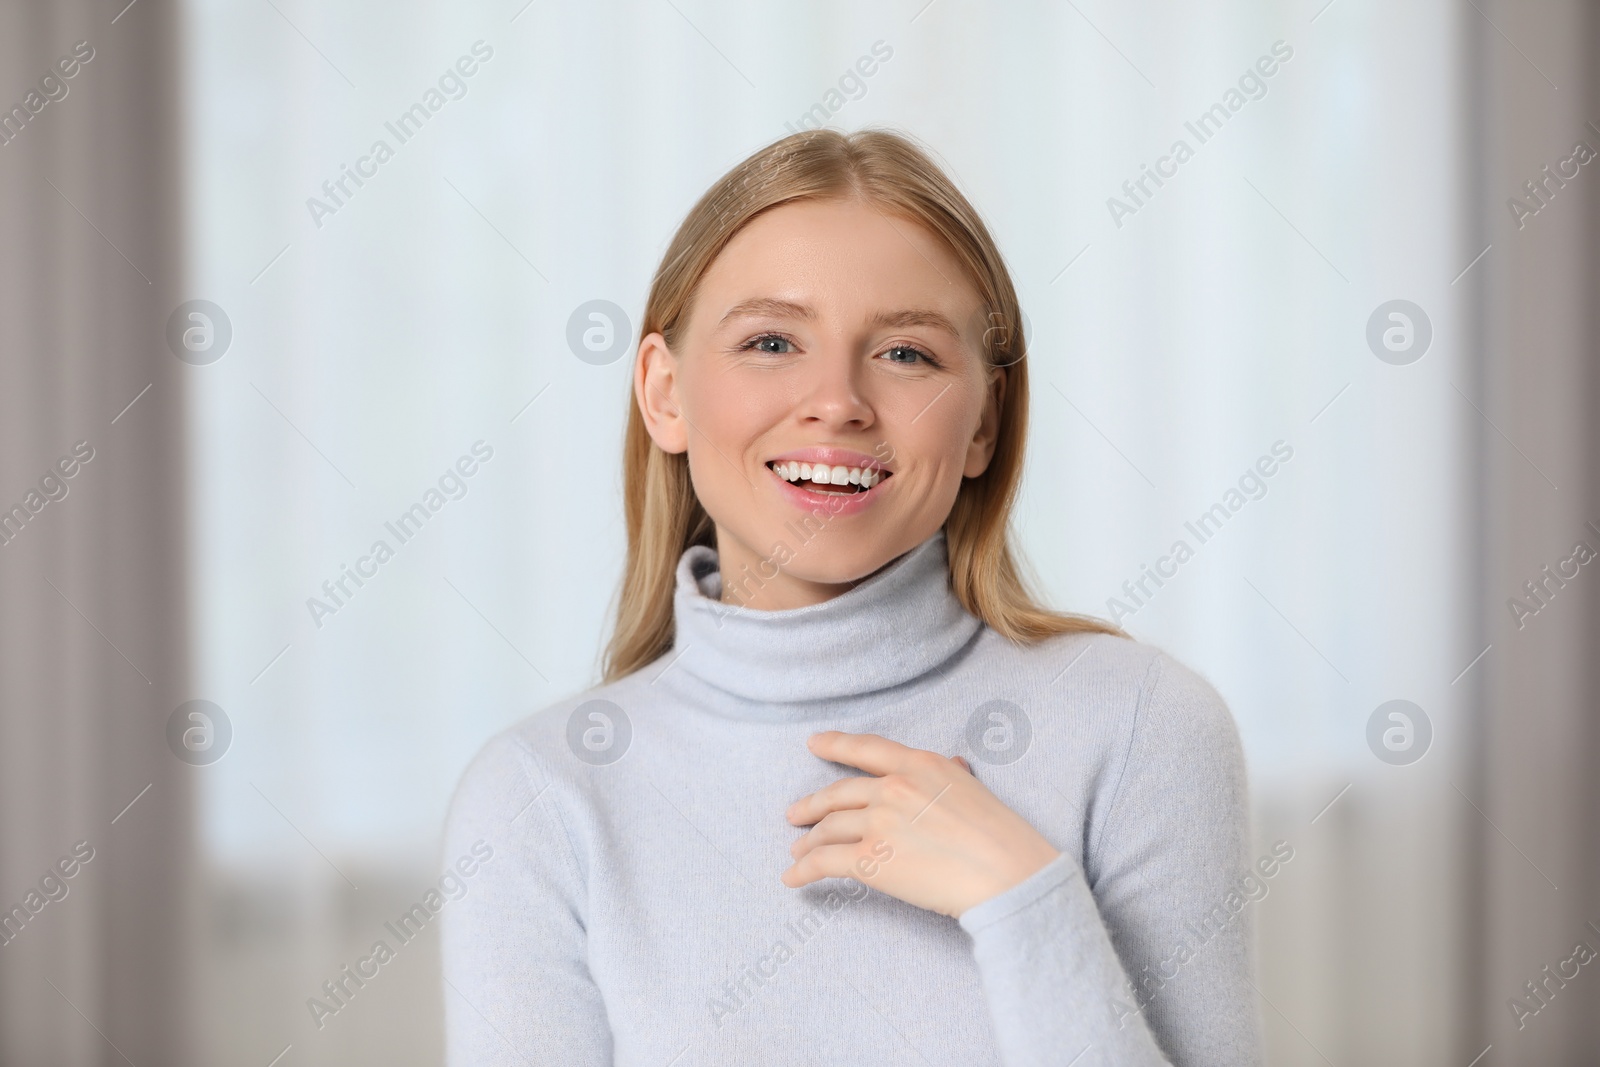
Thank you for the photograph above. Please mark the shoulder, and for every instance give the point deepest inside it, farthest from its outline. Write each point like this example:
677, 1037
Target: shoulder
1166, 758
1180, 745
1138, 695
1168, 704
550, 746
1186, 710
1133, 670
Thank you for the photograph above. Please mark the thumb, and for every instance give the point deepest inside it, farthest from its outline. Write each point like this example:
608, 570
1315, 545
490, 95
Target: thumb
964, 764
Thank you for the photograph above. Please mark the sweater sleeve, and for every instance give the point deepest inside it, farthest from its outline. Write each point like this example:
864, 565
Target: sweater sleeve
1161, 900
517, 987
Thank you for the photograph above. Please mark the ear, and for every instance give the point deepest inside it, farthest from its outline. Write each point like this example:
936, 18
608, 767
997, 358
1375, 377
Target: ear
655, 390
981, 450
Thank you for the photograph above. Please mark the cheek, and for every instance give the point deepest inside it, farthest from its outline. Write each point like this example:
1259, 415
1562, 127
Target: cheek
727, 415
733, 413
937, 438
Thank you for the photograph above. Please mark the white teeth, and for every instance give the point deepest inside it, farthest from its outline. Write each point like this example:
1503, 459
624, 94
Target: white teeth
823, 474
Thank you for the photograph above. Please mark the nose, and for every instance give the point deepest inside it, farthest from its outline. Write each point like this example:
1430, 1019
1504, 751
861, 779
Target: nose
833, 398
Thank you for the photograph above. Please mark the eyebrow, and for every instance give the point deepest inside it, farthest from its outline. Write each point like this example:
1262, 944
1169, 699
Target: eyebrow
904, 317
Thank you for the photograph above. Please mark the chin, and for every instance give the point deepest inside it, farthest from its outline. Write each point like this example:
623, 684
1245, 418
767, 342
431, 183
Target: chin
841, 556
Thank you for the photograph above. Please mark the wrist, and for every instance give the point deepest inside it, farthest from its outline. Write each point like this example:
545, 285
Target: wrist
1015, 874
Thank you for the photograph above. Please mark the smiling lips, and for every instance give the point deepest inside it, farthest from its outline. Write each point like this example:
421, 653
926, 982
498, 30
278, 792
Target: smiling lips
811, 486
821, 477
830, 471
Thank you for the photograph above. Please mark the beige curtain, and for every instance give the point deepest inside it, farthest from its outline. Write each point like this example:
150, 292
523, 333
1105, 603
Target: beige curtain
92, 593
1536, 866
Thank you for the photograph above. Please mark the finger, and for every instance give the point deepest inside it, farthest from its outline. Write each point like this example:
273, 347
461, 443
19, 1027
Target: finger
830, 861
852, 792
838, 828
964, 764
870, 752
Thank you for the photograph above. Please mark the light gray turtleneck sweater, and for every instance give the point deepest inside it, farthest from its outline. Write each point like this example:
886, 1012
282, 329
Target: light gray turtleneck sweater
632, 912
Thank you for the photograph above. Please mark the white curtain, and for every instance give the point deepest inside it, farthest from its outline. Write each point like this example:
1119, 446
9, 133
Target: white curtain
385, 325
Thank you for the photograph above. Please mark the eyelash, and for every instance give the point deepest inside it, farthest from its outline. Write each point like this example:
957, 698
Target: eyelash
927, 357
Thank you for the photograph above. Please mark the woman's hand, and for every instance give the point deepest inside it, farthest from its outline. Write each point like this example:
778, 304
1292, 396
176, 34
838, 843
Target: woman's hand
924, 830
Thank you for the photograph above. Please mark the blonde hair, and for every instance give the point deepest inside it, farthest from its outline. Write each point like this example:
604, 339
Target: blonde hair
663, 515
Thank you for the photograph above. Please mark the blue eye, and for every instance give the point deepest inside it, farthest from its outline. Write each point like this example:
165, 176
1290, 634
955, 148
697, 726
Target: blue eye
917, 354
761, 339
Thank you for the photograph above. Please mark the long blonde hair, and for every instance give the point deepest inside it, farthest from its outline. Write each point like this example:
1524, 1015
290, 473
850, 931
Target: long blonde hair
663, 515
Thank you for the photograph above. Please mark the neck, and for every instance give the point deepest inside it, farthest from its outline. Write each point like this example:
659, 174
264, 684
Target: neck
893, 625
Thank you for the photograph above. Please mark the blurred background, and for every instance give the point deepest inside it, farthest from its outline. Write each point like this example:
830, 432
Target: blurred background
237, 339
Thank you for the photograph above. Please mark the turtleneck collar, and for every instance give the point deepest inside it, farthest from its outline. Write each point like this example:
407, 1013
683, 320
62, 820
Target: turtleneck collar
898, 624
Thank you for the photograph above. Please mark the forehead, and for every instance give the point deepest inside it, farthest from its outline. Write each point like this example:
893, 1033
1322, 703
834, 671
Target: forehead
846, 259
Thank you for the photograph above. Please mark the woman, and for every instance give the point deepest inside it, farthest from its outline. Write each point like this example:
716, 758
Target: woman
749, 844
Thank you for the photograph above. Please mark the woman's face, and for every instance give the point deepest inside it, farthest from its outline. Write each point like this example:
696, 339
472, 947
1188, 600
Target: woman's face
826, 334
